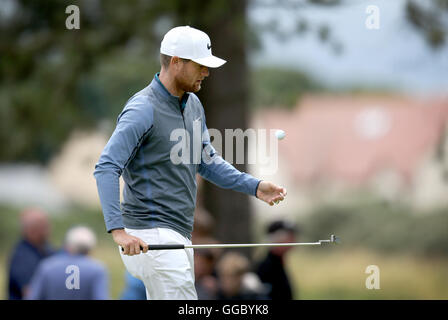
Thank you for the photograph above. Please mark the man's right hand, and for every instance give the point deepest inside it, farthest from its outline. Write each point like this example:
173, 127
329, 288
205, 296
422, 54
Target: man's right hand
130, 244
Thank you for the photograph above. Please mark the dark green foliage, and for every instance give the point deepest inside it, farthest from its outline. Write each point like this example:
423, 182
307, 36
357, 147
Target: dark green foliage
46, 70
276, 87
430, 19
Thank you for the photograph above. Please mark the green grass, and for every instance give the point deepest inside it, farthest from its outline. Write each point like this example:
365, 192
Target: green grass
337, 273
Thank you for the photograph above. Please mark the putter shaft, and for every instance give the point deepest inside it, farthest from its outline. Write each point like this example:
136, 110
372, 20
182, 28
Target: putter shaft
333, 239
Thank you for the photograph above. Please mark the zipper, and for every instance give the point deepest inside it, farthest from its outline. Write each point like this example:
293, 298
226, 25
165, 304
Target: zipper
185, 127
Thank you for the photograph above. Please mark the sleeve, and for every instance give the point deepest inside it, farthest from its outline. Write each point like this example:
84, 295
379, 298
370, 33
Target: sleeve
218, 171
133, 125
22, 265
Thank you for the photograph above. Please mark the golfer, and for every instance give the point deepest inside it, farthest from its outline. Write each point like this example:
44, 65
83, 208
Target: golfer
159, 193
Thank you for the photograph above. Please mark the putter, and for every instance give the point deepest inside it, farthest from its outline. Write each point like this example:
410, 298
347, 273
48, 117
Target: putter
333, 239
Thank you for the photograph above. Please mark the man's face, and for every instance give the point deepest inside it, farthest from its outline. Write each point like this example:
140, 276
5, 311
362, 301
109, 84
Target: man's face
190, 75
35, 227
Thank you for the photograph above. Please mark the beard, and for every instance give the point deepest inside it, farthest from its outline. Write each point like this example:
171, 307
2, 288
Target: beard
188, 86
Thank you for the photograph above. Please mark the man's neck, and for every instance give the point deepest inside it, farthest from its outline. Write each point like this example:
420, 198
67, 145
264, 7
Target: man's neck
170, 84
39, 245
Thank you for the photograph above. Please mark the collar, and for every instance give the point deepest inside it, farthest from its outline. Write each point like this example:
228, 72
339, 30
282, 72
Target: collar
42, 251
161, 88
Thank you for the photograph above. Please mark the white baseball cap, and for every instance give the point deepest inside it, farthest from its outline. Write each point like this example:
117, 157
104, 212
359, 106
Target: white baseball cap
190, 43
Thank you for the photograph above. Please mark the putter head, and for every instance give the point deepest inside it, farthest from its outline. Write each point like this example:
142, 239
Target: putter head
334, 239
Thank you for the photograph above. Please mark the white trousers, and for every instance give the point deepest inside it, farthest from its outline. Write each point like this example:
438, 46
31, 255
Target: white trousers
167, 274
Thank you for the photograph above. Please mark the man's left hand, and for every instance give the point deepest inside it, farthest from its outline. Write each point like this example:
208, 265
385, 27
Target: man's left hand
270, 193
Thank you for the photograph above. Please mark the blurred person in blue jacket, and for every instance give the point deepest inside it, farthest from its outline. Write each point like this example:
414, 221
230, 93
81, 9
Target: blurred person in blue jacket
71, 274
29, 251
134, 288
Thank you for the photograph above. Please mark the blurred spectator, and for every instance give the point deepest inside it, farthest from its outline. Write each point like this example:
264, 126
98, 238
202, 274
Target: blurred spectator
271, 269
134, 288
30, 250
71, 274
203, 225
206, 282
235, 280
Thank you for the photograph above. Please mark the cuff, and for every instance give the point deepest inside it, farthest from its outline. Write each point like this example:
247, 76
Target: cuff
256, 188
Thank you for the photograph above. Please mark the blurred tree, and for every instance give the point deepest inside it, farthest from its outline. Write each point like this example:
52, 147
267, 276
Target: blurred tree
272, 87
44, 66
430, 17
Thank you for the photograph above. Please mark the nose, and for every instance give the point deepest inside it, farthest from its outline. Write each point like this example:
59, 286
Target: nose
205, 71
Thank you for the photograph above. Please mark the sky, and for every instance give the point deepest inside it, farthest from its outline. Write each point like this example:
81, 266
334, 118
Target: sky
394, 56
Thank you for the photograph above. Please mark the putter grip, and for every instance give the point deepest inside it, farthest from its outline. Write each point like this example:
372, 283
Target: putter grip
162, 247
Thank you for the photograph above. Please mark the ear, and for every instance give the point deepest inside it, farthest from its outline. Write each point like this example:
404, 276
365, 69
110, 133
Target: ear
174, 62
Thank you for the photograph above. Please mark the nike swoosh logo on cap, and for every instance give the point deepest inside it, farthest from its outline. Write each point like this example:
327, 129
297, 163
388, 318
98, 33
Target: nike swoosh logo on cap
209, 46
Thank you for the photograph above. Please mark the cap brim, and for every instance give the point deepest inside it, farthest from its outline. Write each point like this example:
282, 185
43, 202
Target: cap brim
211, 61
